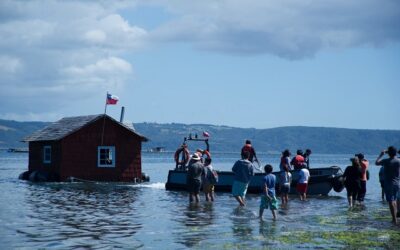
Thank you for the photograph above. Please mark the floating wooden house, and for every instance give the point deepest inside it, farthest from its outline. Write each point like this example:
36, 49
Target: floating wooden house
94, 147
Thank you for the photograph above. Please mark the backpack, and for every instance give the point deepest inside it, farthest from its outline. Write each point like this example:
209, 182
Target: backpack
213, 177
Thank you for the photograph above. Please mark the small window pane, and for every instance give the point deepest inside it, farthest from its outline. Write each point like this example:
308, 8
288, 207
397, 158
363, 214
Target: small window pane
106, 156
47, 154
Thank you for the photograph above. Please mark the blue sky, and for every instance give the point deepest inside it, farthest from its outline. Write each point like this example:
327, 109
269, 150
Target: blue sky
255, 64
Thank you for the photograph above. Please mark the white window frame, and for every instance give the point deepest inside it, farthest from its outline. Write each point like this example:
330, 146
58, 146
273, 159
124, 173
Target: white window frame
46, 149
112, 149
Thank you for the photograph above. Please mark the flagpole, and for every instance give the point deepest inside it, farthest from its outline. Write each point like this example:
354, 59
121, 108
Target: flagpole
104, 121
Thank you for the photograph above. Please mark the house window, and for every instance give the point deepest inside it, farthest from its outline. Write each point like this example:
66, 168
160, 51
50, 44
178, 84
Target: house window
47, 154
106, 157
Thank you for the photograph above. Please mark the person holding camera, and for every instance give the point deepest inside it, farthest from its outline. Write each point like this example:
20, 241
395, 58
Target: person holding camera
391, 174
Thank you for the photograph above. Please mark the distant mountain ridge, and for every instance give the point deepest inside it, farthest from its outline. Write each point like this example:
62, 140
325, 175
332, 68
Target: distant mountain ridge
231, 139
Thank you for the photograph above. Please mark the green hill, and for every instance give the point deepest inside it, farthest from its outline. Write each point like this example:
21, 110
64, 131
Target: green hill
11, 132
231, 139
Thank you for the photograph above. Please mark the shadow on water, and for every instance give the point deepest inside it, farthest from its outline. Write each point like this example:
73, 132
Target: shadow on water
82, 215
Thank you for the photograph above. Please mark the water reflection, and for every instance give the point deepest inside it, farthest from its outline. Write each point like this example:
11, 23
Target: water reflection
241, 227
268, 232
196, 220
81, 213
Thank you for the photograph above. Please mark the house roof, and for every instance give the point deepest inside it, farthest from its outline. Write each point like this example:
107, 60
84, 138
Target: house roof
68, 125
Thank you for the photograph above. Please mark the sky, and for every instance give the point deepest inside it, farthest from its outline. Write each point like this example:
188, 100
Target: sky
248, 63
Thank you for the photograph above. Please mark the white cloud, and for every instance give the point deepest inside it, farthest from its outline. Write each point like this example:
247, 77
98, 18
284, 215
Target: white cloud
106, 66
73, 49
95, 36
108, 72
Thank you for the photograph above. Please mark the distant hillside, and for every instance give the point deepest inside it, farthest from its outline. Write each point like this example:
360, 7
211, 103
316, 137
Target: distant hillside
230, 139
11, 132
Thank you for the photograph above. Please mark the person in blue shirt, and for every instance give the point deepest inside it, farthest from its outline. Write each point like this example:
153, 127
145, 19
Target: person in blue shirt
243, 170
268, 199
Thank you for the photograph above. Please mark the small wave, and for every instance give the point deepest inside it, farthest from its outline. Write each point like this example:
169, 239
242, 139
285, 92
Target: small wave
157, 185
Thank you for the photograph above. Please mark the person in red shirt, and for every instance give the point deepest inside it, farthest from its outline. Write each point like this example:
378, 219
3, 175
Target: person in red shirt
249, 148
363, 183
298, 161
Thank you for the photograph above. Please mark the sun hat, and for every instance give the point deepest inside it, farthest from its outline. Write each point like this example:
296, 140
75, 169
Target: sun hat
195, 157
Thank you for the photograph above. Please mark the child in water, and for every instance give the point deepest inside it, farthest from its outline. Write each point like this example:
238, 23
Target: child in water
284, 181
268, 199
208, 184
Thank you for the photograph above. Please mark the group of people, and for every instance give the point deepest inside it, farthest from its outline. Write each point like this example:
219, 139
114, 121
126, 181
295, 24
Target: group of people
357, 174
355, 178
243, 170
200, 176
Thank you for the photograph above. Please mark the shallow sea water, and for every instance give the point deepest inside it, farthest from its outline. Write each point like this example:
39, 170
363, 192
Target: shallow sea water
146, 216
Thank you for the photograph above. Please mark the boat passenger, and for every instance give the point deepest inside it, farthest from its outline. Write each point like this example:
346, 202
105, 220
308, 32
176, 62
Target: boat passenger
285, 180
352, 175
298, 161
268, 199
302, 183
181, 160
207, 180
363, 182
204, 154
391, 173
249, 148
243, 170
306, 156
285, 161
193, 178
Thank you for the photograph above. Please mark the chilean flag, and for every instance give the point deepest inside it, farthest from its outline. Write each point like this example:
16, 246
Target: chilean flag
112, 99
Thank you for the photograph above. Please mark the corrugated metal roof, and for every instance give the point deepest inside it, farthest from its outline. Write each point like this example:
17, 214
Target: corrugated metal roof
68, 125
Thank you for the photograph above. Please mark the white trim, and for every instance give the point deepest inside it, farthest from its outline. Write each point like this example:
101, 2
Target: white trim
110, 148
45, 149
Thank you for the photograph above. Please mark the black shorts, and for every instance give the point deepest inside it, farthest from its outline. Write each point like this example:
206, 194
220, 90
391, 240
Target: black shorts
285, 189
193, 186
352, 189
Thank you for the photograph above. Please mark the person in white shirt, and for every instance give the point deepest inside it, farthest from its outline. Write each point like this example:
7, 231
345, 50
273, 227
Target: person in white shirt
302, 184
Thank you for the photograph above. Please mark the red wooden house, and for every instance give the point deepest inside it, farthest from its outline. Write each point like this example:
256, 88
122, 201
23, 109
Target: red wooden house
94, 147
